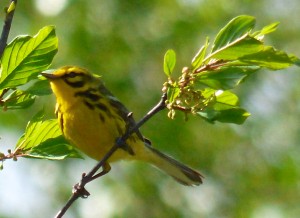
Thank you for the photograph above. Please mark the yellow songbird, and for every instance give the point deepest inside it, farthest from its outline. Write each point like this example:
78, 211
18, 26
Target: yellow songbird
91, 118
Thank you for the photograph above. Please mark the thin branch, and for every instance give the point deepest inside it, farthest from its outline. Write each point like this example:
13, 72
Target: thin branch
78, 189
11, 155
7, 24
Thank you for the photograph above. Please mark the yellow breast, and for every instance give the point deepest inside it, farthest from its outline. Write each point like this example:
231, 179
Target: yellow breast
94, 131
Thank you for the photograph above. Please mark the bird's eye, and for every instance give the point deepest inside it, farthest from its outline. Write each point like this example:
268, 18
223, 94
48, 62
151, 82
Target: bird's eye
72, 74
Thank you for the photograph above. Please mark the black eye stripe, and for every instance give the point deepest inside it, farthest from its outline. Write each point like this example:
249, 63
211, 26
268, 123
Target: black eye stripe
74, 79
74, 84
73, 74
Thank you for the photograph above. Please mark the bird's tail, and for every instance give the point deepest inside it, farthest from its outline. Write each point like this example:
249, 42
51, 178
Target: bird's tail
180, 172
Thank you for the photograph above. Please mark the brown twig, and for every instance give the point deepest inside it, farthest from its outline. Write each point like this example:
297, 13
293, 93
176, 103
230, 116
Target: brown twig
11, 155
7, 24
210, 66
79, 189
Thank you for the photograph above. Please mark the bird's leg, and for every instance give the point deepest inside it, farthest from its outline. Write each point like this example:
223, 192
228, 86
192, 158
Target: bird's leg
79, 187
105, 169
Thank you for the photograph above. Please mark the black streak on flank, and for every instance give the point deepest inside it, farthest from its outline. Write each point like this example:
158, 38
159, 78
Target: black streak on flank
88, 94
102, 107
61, 122
89, 105
120, 108
101, 117
120, 130
60, 118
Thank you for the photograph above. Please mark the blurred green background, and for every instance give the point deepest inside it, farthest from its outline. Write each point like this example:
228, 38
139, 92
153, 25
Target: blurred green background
252, 170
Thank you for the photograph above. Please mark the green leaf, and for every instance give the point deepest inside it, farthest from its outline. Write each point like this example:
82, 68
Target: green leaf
43, 139
41, 87
18, 99
172, 93
233, 115
224, 78
53, 149
169, 62
269, 58
226, 98
296, 60
235, 29
199, 57
242, 46
224, 108
222, 97
26, 56
266, 30
37, 131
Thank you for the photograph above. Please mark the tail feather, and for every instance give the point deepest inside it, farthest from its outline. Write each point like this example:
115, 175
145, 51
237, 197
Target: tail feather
180, 172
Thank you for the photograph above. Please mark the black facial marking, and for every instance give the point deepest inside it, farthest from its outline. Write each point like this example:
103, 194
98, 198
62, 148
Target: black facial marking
74, 84
72, 74
88, 94
70, 79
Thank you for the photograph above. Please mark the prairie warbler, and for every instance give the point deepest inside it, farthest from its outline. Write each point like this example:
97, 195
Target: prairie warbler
91, 118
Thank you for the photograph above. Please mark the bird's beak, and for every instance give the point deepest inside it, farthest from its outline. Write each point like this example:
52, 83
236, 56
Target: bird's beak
49, 74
